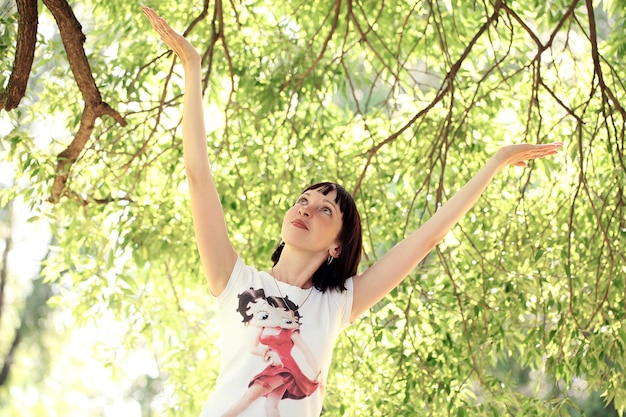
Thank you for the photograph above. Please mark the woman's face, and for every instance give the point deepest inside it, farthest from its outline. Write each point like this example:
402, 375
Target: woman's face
265, 315
313, 223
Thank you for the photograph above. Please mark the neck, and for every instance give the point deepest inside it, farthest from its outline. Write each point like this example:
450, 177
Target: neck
296, 268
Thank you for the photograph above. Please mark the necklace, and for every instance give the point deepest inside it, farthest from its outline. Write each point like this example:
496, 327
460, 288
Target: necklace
281, 293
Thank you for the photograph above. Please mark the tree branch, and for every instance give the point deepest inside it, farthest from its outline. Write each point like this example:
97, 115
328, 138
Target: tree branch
9, 357
301, 77
73, 39
593, 37
24, 54
446, 87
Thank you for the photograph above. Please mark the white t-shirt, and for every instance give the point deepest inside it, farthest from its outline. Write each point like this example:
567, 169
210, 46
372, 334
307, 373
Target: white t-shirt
286, 353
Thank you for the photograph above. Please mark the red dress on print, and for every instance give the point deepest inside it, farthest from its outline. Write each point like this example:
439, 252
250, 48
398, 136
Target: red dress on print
288, 376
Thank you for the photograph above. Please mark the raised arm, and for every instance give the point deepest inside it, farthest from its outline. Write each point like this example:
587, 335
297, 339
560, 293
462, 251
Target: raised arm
216, 251
377, 281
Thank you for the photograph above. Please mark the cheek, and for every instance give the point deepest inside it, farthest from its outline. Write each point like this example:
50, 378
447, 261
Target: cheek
336, 228
289, 214
284, 225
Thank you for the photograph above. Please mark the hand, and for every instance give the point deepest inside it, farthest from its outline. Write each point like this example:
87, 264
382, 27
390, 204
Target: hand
518, 154
273, 358
181, 46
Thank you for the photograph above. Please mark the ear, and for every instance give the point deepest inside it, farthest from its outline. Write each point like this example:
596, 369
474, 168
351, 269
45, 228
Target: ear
335, 252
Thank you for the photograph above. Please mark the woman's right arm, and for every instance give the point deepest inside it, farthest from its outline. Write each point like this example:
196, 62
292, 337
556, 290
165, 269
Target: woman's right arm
216, 251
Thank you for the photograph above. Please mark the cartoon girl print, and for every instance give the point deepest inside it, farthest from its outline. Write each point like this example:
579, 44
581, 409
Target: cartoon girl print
275, 322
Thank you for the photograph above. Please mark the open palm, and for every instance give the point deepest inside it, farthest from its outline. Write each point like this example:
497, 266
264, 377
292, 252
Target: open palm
181, 46
520, 153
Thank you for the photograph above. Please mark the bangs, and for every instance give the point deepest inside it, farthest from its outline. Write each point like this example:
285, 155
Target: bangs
342, 198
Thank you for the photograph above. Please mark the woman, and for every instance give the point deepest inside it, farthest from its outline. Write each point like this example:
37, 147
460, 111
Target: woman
314, 267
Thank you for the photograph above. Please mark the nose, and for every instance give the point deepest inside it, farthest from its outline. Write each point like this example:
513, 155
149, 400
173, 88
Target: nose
304, 211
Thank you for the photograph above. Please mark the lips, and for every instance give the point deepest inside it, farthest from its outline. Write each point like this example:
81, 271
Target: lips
300, 224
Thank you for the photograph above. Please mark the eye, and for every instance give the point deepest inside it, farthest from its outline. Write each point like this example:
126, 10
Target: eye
287, 321
327, 210
262, 315
302, 200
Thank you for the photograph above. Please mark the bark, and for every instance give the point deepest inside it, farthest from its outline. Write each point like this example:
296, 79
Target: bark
24, 55
73, 40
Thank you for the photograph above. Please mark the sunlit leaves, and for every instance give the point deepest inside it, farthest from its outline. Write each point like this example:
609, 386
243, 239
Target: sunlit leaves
402, 102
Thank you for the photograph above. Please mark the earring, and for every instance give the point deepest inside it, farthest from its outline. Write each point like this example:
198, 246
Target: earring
329, 260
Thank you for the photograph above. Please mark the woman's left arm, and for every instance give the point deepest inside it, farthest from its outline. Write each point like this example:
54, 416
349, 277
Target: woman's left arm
377, 281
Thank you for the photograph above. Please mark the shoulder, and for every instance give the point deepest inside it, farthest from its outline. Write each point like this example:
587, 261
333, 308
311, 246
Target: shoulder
242, 277
338, 302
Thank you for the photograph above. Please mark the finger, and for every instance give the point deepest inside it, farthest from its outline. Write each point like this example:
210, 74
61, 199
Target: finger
552, 148
540, 151
150, 14
157, 21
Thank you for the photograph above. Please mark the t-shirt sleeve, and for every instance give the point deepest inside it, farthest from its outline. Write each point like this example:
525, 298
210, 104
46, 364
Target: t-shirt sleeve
234, 281
349, 297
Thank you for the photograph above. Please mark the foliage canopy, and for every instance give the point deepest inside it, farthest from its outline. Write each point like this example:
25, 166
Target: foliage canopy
400, 101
